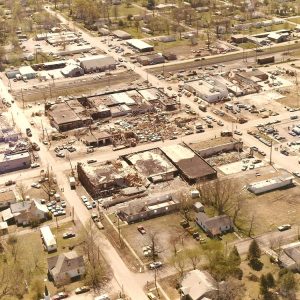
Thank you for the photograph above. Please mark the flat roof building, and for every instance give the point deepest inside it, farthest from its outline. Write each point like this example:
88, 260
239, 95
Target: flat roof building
14, 162
121, 34
207, 91
153, 164
191, 166
140, 45
97, 63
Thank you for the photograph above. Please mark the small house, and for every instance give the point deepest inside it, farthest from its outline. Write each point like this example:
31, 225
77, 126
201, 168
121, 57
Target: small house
66, 267
214, 226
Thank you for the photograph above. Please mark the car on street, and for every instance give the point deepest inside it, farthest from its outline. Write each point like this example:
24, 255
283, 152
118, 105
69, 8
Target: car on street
60, 154
36, 185
61, 295
34, 165
68, 235
90, 161
141, 229
284, 227
81, 290
155, 265
10, 182
84, 199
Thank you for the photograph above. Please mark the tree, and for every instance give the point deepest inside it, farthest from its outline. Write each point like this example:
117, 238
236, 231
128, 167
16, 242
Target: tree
22, 190
49, 183
288, 285
193, 256
185, 205
234, 257
264, 289
153, 242
179, 262
254, 250
270, 280
95, 268
232, 289
151, 4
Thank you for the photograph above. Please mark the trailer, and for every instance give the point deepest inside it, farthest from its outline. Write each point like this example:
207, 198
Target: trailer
72, 183
48, 239
266, 60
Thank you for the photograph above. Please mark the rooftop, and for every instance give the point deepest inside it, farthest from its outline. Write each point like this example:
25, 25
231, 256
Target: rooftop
139, 44
190, 164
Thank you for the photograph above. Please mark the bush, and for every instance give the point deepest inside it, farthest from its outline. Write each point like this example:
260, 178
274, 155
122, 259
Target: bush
237, 273
256, 264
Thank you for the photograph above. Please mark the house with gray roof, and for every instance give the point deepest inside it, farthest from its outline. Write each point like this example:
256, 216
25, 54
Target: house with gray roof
214, 226
198, 285
66, 267
290, 256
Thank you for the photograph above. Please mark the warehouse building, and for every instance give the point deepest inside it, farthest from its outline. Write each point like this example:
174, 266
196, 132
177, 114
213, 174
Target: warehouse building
97, 63
123, 35
27, 72
72, 71
151, 59
140, 45
68, 115
191, 166
271, 184
15, 161
153, 164
207, 91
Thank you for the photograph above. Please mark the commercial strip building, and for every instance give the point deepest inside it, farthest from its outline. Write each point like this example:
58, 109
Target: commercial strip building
14, 161
207, 90
140, 45
190, 165
271, 184
97, 63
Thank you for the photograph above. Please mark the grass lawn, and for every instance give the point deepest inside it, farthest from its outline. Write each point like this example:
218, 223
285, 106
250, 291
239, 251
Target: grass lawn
134, 32
159, 46
247, 45
123, 10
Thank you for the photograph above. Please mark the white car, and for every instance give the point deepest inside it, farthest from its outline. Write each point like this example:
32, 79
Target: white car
35, 165
155, 265
84, 199
36, 185
284, 227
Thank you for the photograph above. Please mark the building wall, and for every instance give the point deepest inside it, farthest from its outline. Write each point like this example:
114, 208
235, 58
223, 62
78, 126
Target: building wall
234, 146
66, 277
15, 164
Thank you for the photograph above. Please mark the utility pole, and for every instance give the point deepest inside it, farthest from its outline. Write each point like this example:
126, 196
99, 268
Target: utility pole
271, 150
43, 129
22, 98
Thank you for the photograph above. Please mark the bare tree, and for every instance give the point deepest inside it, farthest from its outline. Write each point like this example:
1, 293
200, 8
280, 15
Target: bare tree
22, 190
153, 243
193, 256
185, 206
49, 183
179, 262
95, 268
232, 289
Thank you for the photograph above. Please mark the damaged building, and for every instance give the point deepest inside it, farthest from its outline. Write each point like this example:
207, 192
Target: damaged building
106, 179
153, 164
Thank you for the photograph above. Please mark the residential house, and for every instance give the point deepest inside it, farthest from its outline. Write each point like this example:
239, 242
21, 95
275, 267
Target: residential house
289, 257
214, 226
66, 267
29, 212
198, 285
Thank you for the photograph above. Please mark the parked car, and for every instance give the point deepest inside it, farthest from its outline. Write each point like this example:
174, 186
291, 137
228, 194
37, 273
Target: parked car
10, 182
82, 290
141, 229
34, 165
90, 161
155, 265
284, 227
61, 295
68, 235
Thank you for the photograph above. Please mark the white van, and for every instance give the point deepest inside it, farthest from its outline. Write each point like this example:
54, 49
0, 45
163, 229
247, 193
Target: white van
102, 297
